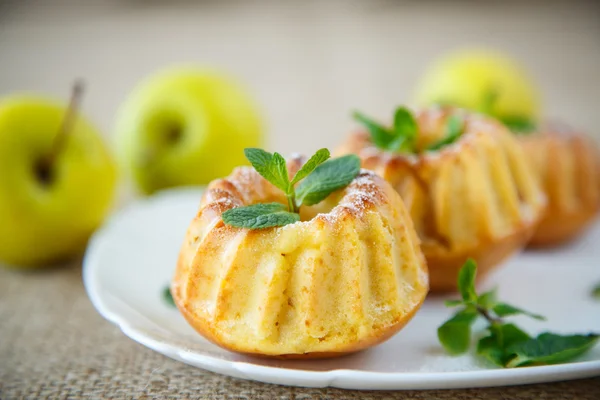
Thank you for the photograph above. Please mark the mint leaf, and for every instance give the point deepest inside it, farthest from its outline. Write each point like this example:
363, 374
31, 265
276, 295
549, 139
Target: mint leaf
505, 310
326, 178
269, 166
506, 344
319, 179
516, 123
455, 334
400, 138
489, 348
596, 291
488, 299
493, 347
401, 144
509, 346
519, 125
405, 131
280, 173
466, 281
309, 166
381, 136
261, 161
168, 296
454, 303
454, 128
259, 216
550, 348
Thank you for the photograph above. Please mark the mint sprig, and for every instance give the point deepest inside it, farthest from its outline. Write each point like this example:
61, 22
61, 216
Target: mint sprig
400, 138
454, 128
506, 344
516, 123
316, 179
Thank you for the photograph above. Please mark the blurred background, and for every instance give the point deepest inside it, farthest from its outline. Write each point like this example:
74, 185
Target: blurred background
307, 63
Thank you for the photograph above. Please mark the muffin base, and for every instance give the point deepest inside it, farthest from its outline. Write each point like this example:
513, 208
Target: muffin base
377, 337
444, 266
558, 229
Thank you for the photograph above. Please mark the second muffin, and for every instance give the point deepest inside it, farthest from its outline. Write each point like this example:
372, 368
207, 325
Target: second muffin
465, 181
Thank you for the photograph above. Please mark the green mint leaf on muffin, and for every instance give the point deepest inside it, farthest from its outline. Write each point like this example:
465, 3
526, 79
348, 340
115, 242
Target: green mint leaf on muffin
317, 159
401, 137
318, 178
270, 166
168, 296
258, 216
518, 125
280, 172
380, 135
506, 344
328, 177
405, 129
454, 128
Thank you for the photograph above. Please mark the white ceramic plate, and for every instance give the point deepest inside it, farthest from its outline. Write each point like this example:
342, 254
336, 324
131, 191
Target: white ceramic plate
131, 260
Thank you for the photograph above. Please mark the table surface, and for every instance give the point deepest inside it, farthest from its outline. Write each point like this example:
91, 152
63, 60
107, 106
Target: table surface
308, 63
54, 344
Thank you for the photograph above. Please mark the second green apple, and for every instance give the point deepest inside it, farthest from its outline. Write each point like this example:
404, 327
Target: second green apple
185, 126
482, 80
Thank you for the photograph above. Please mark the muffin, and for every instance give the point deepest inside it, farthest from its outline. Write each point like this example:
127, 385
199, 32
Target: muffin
465, 181
346, 276
567, 164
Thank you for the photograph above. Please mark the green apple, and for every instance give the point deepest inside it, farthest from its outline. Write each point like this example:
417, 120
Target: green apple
481, 80
185, 126
49, 206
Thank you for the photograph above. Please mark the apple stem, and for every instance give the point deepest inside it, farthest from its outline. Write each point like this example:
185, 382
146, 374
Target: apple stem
44, 169
68, 120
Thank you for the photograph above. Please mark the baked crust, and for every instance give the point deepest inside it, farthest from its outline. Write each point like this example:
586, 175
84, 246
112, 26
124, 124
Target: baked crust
444, 267
321, 257
374, 339
567, 163
475, 198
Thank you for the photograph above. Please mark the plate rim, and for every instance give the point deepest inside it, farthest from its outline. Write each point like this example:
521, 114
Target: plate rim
338, 377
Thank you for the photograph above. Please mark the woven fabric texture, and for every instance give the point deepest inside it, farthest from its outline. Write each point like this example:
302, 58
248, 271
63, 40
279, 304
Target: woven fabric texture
53, 344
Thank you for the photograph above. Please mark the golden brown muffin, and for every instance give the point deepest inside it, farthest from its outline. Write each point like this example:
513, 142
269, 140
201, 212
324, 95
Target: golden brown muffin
567, 163
347, 276
476, 197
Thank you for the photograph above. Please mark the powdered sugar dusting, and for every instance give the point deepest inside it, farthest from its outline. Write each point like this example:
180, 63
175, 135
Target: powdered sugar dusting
226, 202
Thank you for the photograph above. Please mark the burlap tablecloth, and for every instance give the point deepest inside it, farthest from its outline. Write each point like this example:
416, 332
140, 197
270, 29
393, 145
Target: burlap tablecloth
53, 344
